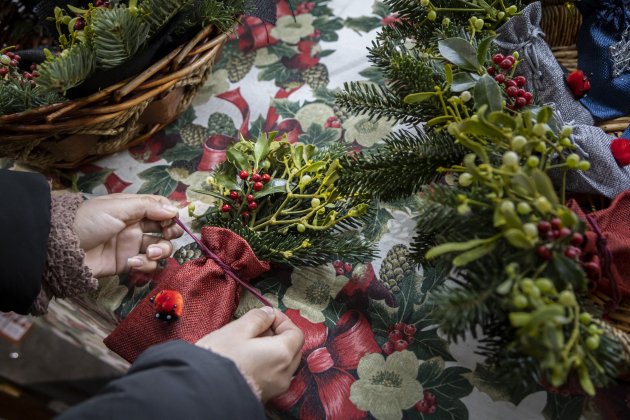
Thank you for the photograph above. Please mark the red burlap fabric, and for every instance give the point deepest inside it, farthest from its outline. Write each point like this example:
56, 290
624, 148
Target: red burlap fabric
210, 297
614, 223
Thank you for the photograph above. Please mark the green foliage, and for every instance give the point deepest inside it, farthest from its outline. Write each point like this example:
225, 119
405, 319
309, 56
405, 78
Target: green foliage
16, 96
67, 70
157, 13
117, 35
221, 13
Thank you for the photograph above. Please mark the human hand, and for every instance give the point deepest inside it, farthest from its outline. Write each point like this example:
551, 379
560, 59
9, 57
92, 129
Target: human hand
264, 344
111, 231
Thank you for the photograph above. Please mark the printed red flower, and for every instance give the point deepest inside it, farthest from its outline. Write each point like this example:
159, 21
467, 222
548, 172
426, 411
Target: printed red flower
253, 34
283, 9
304, 7
115, 184
322, 384
620, 149
578, 83
304, 59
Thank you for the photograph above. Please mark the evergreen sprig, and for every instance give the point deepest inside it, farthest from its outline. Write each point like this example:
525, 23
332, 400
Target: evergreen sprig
68, 69
117, 35
18, 95
157, 13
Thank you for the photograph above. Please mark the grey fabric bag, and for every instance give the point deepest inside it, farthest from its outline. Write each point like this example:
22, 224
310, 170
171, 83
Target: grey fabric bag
605, 177
545, 78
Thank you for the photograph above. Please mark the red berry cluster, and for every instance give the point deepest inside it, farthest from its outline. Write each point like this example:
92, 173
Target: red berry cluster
562, 239
517, 96
427, 405
9, 68
342, 268
332, 122
304, 7
400, 336
102, 3
257, 183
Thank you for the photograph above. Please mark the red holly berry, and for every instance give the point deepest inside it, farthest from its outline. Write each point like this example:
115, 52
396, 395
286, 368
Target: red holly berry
337, 263
544, 253
491, 71
17, 58
500, 78
347, 267
234, 195
556, 224
564, 232
388, 348
510, 83
27, 76
339, 271
506, 64
243, 174
256, 177
620, 149
245, 214
252, 206
9, 54
400, 326
498, 58
14, 63
520, 81
512, 91
521, 93
511, 58
395, 335
544, 227
226, 208
521, 102
422, 406
401, 345
250, 198
169, 305
266, 178
429, 396
577, 239
79, 24
528, 97
3, 71
432, 409
593, 270
578, 83
572, 252
410, 330
258, 186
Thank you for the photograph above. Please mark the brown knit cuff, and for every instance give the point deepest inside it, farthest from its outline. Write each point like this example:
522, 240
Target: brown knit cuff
65, 274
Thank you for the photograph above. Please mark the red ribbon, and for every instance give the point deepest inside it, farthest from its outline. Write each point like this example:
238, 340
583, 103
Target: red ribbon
322, 383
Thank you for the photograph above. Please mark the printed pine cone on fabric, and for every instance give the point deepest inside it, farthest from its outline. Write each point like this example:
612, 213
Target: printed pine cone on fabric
65, 274
395, 267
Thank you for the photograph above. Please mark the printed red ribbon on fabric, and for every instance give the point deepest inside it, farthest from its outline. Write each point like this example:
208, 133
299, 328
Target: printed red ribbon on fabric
210, 296
323, 381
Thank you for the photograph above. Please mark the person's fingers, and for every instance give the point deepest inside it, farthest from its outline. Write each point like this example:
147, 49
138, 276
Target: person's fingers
295, 363
172, 232
150, 226
158, 250
141, 263
135, 208
288, 332
253, 323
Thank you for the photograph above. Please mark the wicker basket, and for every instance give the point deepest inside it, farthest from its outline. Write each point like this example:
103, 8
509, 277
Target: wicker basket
561, 25
69, 134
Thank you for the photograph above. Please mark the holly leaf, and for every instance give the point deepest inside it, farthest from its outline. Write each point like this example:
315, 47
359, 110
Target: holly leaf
373, 230
333, 312
261, 148
138, 294
328, 28
363, 23
373, 75
434, 276
488, 93
181, 151
446, 384
380, 9
325, 95
256, 127
320, 136
285, 108
89, 181
459, 52
563, 408
282, 50
276, 185
408, 296
157, 181
427, 344
381, 317
325, 53
485, 381
483, 48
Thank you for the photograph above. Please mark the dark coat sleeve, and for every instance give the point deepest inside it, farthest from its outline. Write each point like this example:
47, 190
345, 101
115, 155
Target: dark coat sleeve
174, 381
25, 225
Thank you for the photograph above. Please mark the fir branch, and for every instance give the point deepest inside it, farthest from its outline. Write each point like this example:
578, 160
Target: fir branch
67, 70
117, 35
221, 13
16, 96
406, 162
157, 13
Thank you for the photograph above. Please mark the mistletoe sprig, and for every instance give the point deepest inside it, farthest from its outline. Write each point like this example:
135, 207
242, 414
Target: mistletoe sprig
274, 189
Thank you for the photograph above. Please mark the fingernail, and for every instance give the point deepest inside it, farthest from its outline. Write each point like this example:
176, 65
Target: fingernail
170, 208
135, 262
269, 310
154, 251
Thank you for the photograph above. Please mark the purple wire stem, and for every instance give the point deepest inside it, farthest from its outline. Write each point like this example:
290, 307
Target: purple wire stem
220, 263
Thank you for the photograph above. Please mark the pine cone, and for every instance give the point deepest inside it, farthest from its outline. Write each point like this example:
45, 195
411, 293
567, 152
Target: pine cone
220, 123
395, 267
194, 135
239, 65
317, 76
341, 113
187, 253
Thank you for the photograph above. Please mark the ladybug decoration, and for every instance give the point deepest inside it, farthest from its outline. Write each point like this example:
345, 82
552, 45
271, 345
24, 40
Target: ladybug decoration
578, 83
169, 305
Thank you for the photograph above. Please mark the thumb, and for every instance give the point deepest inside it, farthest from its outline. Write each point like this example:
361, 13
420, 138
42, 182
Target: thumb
152, 207
254, 323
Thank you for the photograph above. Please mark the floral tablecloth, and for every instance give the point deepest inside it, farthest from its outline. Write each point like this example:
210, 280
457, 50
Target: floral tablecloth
283, 79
